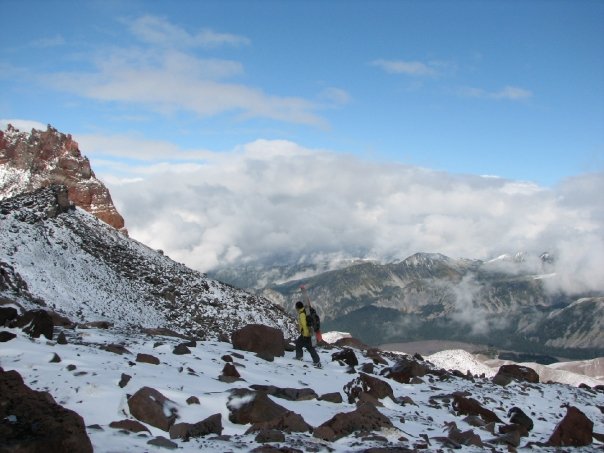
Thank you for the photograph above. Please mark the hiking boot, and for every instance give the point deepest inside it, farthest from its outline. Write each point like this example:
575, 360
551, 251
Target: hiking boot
317, 365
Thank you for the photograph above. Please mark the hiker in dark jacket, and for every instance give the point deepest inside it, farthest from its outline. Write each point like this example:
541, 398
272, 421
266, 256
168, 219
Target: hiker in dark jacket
304, 340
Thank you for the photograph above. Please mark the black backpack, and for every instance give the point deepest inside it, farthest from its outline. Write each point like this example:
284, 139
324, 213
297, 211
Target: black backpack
312, 319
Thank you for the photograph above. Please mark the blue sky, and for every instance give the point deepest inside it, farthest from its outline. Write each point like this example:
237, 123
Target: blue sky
513, 89
229, 132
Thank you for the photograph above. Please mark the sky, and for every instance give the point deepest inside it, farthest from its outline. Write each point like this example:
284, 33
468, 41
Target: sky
231, 131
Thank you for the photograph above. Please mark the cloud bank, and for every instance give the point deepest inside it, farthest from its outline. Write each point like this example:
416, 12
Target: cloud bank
267, 200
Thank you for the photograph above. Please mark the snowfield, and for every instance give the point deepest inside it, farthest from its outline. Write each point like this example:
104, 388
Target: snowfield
86, 381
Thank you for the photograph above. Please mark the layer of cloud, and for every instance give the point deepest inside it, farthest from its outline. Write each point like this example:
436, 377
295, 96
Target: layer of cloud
165, 74
510, 93
412, 68
271, 199
161, 32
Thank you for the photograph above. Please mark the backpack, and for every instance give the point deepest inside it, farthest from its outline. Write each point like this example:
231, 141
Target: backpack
312, 319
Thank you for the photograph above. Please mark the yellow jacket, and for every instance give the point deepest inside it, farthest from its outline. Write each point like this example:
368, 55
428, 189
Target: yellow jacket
304, 330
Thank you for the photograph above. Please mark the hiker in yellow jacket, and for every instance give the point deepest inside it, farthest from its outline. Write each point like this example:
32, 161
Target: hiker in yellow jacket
304, 340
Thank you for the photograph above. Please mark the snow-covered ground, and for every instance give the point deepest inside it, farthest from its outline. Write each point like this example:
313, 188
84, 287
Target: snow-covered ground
91, 389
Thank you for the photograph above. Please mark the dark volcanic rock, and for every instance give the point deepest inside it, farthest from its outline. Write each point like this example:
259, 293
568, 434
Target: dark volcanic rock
575, 430
369, 385
32, 421
36, 323
365, 418
260, 339
469, 406
507, 373
247, 406
151, 407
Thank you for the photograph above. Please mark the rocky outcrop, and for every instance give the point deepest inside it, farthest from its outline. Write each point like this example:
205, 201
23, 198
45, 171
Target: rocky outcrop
509, 373
38, 159
365, 418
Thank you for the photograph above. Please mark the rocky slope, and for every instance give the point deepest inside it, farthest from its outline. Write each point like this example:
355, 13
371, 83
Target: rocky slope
56, 255
434, 297
31, 160
110, 390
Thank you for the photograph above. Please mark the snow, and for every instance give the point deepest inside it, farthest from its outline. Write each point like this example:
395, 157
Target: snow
332, 337
92, 390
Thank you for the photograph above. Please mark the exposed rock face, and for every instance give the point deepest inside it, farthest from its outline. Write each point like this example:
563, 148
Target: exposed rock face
29, 161
33, 421
246, 406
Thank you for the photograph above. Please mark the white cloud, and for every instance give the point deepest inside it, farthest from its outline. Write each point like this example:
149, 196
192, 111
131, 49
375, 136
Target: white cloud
509, 93
276, 198
168, 81
160, 32
412, 68
23, 125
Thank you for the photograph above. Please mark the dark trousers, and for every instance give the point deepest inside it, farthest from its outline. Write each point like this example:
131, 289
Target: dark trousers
305, 342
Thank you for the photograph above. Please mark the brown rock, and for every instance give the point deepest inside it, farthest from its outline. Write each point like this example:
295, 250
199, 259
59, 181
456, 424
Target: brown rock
270, 435
130, 425
347, 356
247, 406
151, 407
507, 373
36, 323
6, 336
575, 430
40, 424
147, 358
405, 369
469, 406
260, 339
193, 400
124, 380
364, 418
367, 384
286, 393
351, 342
288, 422
210, 425
334, 397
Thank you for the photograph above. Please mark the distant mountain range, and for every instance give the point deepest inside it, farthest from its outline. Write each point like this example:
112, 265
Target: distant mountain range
431, 296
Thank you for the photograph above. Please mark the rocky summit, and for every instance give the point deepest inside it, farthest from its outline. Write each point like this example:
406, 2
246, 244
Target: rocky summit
31, 160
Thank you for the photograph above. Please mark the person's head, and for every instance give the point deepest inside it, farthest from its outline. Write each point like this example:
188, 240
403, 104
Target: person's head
299, 305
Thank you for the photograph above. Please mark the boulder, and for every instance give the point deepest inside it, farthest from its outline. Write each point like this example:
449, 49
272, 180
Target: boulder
151, 407
130, 425
507, 373
347, 356
248, 406
5, 336
36, 323
518, 417
365, 418
7, 314
31, 421
405, 369
147, 358
288, 422
286, 393
469, 406
210, 425
575, 430
369, 385
260, 339
334, 397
